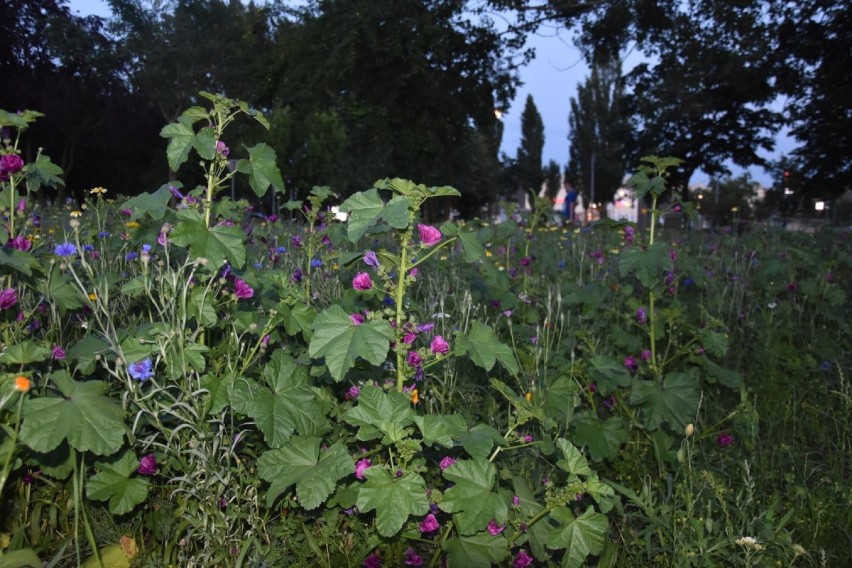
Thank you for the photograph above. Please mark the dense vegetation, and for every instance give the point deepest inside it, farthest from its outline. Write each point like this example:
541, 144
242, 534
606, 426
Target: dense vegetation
185, 381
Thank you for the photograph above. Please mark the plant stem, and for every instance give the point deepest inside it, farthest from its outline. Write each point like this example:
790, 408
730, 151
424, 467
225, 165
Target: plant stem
400, 294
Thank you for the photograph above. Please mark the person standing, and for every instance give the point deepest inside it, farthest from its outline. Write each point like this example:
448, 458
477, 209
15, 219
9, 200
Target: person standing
570, 202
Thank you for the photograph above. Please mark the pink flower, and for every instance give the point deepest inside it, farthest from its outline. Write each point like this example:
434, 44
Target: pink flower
10, 164
20, 243
242, 290
58, 353
724, 440
148, 465
413, 273
409, 337
414, 359
357, 319
429, 524
373, 561
494, 528
411, 558
429, 236
360, 466
630, 364
439, 345
446, 462
522, 560
362, 281
8, 298
352, 393
222, 149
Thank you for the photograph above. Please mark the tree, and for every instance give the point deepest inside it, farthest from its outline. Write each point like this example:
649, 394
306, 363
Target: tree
529, 172
814, 37
705, 92
414, 84
598, 132
552, 180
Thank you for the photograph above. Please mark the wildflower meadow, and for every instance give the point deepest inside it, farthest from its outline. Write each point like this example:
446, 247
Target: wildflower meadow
187, 381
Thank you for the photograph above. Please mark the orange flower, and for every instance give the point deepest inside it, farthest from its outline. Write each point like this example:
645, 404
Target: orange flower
415, 397
22, 384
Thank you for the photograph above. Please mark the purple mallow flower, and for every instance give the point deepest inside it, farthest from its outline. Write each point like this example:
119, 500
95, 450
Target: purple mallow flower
242, 290
360, 466
429, 236
148, 465
429, 524
362, 281
370, 259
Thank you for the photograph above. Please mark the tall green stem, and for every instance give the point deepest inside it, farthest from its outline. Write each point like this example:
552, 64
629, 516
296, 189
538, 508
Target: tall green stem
400, 294
652, 315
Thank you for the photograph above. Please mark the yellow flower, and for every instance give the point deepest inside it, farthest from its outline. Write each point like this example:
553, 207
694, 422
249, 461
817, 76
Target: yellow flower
528, 396
92, 296
132, 225
76, 214
98, 190
415, 397
22, 384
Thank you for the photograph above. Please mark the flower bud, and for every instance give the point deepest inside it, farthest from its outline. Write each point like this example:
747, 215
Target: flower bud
689, 430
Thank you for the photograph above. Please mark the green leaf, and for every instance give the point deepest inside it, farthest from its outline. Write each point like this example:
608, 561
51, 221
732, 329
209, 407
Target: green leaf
17, 260
485, 349
380, 413
24, 353
727, 377
181, 137
113, 483
215, 244
288, 404
471, 246
315, 473
393, 498
674, 402
579, 536
574, 461
366, 208
476, 551
204, 143
440, 428
43, 172
299, 319
602, 438
479, 440
714, 343
471, 498
262, 169
59, 289
85, 417
152, 204
560, 399
341, 342
647, 264
85, 352
23, 558
609, 374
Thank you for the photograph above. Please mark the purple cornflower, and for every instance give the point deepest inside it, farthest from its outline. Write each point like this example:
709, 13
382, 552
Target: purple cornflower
370, 259
141, 370
65, 249
641, 315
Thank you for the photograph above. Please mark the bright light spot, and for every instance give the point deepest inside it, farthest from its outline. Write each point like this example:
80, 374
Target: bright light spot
338, 214
788, 191
819, 205
498, 114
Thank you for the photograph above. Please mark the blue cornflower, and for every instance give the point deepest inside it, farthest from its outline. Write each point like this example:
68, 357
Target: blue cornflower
88, 248
316, 263
141, 370
103, 234
65, 249
131, 256
281, 250
258, 265
146, 248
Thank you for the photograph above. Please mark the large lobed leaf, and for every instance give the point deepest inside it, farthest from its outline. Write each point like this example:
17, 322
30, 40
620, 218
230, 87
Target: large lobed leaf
579, 536
485, 349
476, 551
300, 462
341, 342
674, 402
471, 498
90, 421
393, 498
380, 413
215, 244
113, 482
287, 403
366, 208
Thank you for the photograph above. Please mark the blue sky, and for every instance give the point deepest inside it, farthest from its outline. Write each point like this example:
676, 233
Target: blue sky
551, 78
